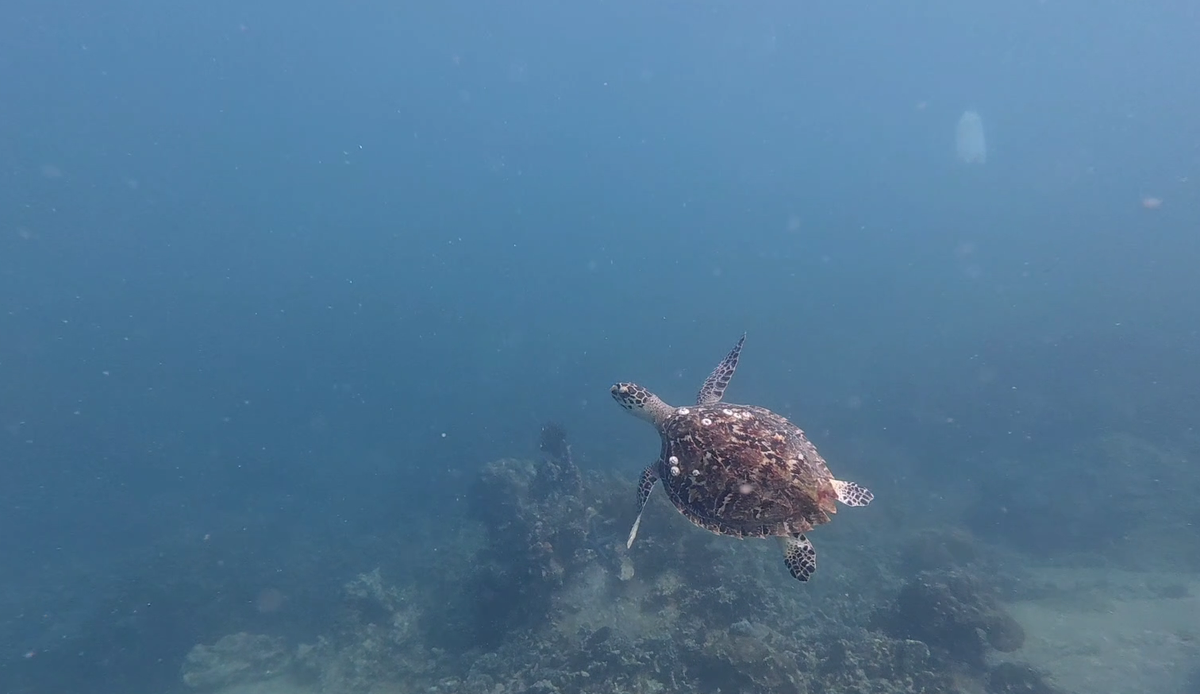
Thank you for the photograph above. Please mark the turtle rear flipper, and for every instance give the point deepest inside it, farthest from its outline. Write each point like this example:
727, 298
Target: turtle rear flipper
714, 386
645, 486
852, 494
800, 557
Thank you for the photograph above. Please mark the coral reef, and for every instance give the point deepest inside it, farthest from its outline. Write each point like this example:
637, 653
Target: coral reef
376, 639
536, 529
744, 657
542, 596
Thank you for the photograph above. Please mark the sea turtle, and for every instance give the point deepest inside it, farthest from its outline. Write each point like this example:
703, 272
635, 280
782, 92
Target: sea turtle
739, 470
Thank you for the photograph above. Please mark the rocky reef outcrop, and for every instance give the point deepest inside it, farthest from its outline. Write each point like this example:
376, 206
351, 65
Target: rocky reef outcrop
1013, 678
537, 528
546, 598
956, 614
376, 639
743, 657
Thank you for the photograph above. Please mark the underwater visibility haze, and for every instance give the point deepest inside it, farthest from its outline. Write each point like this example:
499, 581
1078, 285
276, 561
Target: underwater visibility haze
311, 315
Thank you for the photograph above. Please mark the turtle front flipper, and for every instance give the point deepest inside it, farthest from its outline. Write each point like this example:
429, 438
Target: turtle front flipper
645, 486
852, 494
714, 386
800, 557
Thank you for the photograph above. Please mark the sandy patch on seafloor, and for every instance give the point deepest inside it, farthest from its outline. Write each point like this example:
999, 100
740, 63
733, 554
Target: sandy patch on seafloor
1112, 632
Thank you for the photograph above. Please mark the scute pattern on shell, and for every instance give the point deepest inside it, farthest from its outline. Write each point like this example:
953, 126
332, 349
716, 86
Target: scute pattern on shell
744, 471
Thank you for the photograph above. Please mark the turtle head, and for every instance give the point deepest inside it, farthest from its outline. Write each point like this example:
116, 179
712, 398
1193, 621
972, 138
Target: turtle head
641, 402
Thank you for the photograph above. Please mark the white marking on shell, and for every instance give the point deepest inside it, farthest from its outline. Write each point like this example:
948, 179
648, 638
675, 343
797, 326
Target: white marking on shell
695, 473
675, 471
684, 410
706, 421
674, 460
727, 411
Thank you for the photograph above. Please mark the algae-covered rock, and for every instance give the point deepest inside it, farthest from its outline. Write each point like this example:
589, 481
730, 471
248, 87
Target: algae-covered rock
537, 533
376, 640
235, 659
873, 662
547, 598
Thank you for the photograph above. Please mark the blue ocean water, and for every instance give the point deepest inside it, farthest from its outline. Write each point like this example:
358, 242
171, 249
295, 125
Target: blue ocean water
277, 280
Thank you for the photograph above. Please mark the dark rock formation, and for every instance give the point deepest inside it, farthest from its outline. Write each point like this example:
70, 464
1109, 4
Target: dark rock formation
1011, 678
956, 614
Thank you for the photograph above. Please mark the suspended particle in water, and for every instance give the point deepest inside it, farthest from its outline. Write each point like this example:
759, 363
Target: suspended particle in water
969, 139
